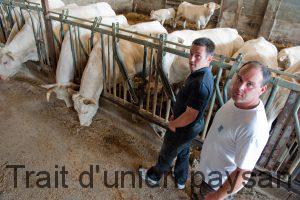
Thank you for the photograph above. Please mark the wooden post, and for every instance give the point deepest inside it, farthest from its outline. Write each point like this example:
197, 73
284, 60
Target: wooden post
269, 18
49, 35
238, 13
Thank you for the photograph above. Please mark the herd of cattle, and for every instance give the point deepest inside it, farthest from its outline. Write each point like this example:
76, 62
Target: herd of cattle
20, 47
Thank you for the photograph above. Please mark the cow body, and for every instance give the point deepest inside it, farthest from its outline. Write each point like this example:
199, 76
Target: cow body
22, 48
162, 15
65, 70
289, 57
259, 50
200, 14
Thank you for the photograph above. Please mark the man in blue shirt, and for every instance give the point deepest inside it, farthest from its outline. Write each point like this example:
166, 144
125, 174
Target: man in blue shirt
187, 122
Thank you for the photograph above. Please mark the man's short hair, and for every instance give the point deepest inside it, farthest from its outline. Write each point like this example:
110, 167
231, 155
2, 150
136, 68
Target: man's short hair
264, 70
205, 42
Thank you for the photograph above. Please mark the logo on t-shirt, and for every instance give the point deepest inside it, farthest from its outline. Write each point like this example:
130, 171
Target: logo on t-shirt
220, 128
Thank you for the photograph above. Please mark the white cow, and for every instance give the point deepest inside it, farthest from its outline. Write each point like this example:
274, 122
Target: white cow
282, 94
16, 14
289, 57
86, 100
22, 48
163, 14
227, 41
259, 50
65, 70
153, 28
200, 14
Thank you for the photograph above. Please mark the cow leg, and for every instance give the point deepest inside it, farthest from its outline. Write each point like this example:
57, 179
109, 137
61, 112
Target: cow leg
162, 22
184, 24
13, 33
175, 22
198, 25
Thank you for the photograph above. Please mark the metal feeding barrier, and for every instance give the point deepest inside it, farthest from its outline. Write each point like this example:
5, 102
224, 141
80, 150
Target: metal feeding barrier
147, 91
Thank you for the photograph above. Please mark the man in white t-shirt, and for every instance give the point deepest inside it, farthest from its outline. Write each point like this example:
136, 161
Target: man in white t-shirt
237, 136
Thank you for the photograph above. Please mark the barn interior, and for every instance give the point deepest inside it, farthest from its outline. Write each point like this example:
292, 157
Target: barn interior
47, 153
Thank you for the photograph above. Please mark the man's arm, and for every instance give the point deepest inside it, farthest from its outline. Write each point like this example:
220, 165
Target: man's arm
234, 182
184, 119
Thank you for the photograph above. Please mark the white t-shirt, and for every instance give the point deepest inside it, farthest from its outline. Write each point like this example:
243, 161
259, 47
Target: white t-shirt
236, 139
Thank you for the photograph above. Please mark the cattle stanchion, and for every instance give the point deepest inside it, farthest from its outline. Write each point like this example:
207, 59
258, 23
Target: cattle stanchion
236, 65
119, 58
49, 35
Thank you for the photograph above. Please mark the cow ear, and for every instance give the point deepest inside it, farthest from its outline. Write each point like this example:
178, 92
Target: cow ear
89, 101
206, 5
10, 55
71, 91
217, 6
282, 58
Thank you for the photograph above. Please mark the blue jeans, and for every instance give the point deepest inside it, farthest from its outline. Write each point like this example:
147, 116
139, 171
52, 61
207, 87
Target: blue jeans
175, 145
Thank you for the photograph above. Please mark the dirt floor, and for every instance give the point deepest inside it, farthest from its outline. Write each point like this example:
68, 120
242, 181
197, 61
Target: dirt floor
45, 136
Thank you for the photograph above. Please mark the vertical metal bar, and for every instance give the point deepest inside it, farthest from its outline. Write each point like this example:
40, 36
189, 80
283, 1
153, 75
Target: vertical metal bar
109, 64
155, 94
62, 32
168, 108
2, 23
160, 64
114, 61
16, 17
35, 35
150, 80
142, 93
49, 35
2, 29
297, 129
236, 65
42, 45
161, 103
77, 53
73, 51
125, 92
272, 95
9, 15
211, 106
103, 63
217, 85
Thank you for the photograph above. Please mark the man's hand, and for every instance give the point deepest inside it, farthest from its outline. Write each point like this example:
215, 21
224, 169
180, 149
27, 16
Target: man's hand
172, 126
213, 196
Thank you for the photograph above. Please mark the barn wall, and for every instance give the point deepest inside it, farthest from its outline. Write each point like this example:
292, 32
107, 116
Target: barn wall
118, 5
245, 15
287, 22
277, 20
145, 6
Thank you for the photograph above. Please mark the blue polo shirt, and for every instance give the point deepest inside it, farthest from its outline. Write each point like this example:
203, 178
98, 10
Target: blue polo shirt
195, 93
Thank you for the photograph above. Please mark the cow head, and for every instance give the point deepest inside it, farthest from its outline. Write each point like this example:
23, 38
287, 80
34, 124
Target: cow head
212, 7
63, 92
153, 15
284, 62
9, 65
86, 108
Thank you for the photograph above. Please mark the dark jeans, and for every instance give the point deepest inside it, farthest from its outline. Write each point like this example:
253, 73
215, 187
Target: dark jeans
175, 145
204, 190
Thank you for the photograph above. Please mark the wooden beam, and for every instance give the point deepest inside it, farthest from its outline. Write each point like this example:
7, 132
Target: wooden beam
269, 18
49, 35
